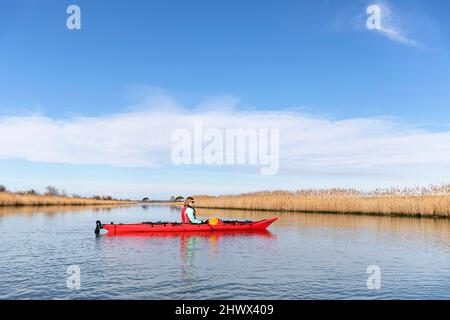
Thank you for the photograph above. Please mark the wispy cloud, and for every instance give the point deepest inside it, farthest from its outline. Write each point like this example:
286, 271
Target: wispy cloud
393, 26
309, 145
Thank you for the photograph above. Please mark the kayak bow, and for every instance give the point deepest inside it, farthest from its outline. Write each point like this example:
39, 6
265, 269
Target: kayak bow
147, 227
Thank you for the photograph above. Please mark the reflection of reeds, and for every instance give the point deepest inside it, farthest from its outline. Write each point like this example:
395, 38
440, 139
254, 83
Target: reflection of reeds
55, 209
430, 201
15, 199
438, 229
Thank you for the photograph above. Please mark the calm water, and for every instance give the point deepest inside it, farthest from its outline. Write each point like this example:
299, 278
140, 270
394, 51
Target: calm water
305, 256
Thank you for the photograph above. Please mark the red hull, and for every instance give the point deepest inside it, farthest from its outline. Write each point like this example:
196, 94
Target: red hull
114, 229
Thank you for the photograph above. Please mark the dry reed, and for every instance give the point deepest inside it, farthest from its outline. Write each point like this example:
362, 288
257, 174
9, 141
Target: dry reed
432, 201
16, 199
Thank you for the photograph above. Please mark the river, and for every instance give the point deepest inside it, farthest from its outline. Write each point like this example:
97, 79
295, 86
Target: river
303, 256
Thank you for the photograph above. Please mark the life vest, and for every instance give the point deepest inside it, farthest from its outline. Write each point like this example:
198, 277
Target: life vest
184, 217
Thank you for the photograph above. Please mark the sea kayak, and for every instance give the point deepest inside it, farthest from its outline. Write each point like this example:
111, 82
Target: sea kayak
149, 227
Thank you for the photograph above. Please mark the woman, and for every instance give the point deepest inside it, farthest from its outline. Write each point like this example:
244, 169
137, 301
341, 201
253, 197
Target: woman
188, 212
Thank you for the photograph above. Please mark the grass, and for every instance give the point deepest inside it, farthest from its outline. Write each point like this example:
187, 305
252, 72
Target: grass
432, 201
16, 199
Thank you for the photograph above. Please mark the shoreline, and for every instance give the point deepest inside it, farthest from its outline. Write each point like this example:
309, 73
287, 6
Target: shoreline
66, 204
429, 206
373, 214
9, 199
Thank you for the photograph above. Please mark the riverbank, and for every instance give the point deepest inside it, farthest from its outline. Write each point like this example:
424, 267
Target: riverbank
16, 199
426, 203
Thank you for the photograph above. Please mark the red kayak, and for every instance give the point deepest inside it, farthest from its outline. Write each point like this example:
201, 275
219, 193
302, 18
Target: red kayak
147, 227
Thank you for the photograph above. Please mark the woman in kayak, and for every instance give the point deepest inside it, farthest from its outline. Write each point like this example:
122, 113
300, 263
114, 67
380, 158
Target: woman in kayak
188, 212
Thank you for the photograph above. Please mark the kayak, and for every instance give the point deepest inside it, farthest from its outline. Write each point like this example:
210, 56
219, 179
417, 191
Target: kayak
150, 227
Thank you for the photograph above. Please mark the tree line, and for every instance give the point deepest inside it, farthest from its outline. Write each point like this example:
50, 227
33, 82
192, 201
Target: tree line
53, 191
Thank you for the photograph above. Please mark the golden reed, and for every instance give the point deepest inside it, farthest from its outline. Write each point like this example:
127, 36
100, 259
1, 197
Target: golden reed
15, 199
432, 201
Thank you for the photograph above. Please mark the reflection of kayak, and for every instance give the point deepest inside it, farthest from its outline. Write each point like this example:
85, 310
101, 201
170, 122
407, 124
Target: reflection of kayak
150, 227
197, 234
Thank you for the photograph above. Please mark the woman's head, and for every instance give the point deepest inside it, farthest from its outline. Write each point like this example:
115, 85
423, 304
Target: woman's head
189, 202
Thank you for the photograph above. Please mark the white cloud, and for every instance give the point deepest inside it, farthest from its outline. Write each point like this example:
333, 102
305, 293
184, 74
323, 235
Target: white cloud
309, 145
393, 26
400, 24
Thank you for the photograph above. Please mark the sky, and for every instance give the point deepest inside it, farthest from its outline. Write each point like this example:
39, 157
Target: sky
93, 110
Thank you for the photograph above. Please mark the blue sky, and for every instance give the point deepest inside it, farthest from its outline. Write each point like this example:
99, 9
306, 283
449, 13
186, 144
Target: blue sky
313, 58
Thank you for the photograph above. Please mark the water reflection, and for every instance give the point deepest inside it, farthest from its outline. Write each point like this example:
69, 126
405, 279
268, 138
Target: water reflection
191, 242
56, 209
438, 228
322, 256
189, 245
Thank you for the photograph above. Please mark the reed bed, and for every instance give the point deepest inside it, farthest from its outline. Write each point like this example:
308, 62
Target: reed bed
432, 201
15, 199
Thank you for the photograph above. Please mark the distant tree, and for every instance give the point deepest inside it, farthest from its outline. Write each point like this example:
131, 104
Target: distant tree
179, 198
146, 199
109, 198
172, 198
63, 193
97, 197
51, 191
2, 188
32, 192
76, 195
